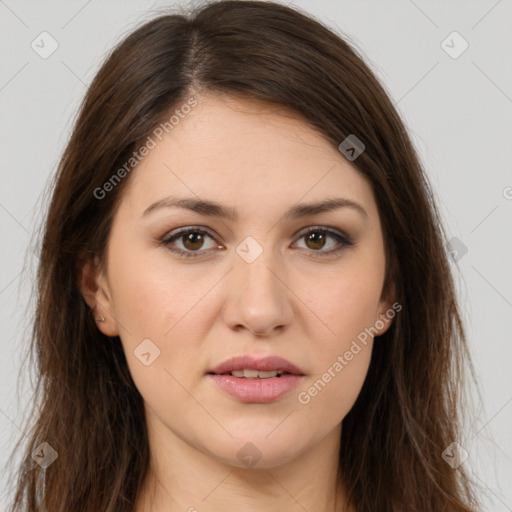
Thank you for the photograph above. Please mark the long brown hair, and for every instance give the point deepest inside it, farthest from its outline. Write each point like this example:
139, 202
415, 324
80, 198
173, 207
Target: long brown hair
86, 405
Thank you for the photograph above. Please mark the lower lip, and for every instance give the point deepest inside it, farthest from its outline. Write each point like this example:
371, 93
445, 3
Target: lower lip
258, 390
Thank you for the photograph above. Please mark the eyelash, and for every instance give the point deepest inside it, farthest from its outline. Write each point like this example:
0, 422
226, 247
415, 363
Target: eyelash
342, 239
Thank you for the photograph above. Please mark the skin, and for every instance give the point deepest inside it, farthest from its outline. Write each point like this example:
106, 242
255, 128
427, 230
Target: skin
291, 301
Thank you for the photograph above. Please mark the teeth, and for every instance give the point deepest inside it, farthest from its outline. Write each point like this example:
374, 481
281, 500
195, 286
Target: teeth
255, 374
266, 375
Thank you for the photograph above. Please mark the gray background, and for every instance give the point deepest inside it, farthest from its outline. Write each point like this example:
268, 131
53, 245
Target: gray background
458, 111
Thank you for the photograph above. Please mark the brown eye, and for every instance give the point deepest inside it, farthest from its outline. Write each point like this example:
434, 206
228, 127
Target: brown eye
190, 242
193, 240
316, 240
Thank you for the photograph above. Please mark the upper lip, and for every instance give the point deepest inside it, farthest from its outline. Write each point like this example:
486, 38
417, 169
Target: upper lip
249, 362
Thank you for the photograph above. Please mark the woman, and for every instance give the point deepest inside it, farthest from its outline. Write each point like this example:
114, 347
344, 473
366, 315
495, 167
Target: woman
244, 298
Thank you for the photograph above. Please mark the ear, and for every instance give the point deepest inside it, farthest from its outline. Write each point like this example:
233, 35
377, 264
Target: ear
93, 286
387, 310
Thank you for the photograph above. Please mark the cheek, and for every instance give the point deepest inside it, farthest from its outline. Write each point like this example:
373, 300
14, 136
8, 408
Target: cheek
345, 314
160, 312
152, 295
344, 305
340, 371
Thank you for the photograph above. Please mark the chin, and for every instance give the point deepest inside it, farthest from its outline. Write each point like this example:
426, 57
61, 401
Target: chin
257, 450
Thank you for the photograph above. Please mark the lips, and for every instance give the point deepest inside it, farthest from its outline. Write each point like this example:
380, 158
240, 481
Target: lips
265, 364
256, 380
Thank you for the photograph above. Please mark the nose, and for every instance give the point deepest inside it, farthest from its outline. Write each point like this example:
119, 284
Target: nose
258, 296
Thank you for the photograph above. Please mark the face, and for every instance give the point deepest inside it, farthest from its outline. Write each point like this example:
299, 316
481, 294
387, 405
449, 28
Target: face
189, 290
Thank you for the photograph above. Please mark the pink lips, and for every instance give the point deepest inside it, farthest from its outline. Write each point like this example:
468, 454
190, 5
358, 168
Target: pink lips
256, 390
252, 363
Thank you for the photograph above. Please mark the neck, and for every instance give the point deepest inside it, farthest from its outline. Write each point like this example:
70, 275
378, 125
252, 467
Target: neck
184, 479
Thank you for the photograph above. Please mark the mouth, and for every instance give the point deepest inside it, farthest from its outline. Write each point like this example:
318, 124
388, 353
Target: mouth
254, 374
251, 367
252, 380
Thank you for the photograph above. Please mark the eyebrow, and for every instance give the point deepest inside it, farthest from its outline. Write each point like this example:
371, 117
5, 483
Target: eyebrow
213, 209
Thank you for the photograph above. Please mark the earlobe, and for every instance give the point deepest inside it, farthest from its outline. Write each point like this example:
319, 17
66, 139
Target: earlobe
388, 310
94, 290
384, 321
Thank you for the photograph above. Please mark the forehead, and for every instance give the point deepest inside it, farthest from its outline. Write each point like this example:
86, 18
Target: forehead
244, 152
